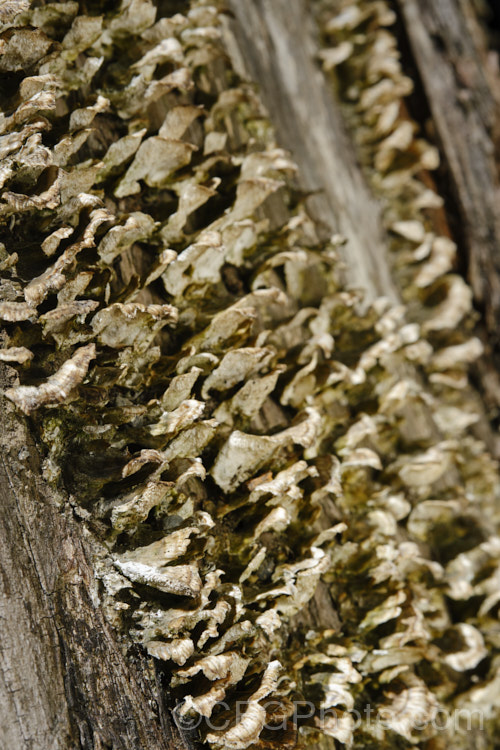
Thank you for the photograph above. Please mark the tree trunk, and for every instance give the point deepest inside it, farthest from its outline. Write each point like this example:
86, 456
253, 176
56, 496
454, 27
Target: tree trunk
66, 679
244, 471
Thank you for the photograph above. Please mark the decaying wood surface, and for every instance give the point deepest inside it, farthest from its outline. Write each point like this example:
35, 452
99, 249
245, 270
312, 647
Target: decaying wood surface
463, 98
276, 45
66, 681
462, 91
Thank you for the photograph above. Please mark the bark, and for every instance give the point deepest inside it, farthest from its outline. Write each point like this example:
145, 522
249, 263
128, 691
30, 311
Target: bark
463, 101
70, 678
66, 679
276, 44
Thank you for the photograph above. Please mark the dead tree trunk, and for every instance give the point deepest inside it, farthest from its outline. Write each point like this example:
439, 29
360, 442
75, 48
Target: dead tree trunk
228, 476
67, 681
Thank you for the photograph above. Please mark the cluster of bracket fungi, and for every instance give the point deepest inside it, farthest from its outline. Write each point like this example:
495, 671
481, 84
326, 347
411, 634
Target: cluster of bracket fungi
241, 433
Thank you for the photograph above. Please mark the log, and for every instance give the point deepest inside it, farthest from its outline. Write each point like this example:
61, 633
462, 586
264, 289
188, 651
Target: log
228, 475
464, 105
276, 44
67, 679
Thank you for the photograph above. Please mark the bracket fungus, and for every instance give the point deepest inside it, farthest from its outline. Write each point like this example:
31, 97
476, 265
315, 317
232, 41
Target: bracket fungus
255, 443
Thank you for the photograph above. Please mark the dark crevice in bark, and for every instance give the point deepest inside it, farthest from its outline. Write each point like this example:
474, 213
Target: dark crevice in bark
167, 711
492, 22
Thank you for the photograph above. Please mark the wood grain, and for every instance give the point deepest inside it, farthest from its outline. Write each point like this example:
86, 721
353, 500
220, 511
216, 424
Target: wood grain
66, 682
464, 106
275, 44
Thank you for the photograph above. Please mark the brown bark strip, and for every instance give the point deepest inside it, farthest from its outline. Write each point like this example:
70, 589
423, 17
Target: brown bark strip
462, 102
64, 681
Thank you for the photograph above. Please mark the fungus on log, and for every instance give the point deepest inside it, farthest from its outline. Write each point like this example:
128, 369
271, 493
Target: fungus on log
244, 468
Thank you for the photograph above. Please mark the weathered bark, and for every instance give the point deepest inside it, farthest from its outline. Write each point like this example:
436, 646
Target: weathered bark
69, 679
66, 679
462, 94
461, 88
276, 45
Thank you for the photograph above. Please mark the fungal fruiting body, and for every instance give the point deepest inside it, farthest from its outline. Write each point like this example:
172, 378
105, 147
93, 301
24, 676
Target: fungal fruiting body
293, 504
